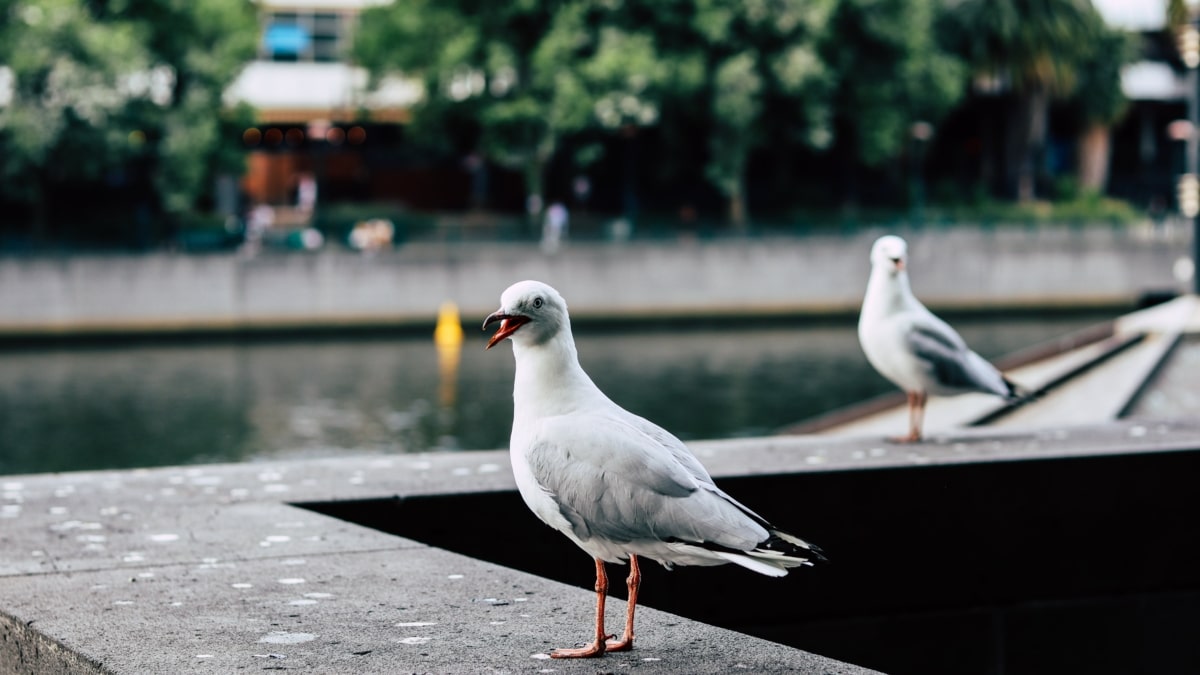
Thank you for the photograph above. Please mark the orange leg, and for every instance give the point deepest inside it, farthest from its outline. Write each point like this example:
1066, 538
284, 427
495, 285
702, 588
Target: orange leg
597, 647
633, 583
916, 418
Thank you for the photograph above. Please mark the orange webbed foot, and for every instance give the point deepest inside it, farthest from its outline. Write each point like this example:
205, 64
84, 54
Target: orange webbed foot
623, 645
592, 650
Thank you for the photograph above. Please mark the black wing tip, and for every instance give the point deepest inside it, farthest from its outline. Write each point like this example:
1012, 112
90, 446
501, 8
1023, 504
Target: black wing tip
818, 554
786, 543
810, 554
1018, 393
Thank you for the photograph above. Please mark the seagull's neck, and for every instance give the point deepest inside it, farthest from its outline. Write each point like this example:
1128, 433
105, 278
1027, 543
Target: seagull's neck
887, 293
549, 379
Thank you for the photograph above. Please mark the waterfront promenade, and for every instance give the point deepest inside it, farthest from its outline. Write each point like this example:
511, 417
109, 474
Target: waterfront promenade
958, 268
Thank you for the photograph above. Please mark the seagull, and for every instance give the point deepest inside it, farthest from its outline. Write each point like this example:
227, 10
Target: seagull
617, 485
914, 349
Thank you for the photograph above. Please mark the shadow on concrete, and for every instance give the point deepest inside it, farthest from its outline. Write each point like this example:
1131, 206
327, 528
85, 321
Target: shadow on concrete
1078, 565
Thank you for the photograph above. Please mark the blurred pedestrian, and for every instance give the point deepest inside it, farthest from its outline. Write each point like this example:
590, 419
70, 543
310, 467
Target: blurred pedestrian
554, 227
260, 219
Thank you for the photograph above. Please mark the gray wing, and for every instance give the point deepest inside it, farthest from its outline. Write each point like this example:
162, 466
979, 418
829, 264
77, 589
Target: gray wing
949, 361
610, 479
684, 456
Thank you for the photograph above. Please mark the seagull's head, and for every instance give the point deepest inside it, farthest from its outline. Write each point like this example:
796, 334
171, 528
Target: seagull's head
890, 253
531, 307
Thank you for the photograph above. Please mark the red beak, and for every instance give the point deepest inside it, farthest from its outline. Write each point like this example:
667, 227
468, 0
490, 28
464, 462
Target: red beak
509, 323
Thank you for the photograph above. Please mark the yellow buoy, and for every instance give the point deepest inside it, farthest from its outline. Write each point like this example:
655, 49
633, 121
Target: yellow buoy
449, 330
447, 338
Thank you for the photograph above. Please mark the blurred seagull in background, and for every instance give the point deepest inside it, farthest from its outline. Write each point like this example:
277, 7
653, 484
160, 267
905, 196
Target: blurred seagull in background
910, 346
617, 485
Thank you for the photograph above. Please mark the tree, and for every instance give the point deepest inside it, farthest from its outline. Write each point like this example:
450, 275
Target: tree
204, 43
525, 74
1035, 49
99, 87
891, 75
532, 73
70, 80
764, 66
1177, 16
736, 106
1098, 103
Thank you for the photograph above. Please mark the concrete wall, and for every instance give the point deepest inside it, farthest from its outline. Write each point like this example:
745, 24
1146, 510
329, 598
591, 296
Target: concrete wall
958, 268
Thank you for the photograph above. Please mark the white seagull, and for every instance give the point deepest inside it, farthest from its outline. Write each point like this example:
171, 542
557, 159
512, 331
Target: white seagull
910, 346
616, 484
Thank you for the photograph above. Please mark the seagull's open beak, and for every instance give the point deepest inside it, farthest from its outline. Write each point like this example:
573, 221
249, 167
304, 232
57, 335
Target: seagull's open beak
509, 323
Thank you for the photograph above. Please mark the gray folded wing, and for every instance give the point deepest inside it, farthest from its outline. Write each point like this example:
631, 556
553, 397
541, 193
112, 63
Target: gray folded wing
948, 360
612, 480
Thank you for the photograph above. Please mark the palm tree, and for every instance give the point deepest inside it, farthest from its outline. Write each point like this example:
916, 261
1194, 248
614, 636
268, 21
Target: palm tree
1034, 48
1099, 103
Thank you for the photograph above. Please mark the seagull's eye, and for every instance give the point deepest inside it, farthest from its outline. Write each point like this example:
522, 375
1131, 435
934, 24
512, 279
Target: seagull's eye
537, 303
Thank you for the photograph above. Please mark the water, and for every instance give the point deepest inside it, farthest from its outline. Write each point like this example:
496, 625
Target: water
108, 407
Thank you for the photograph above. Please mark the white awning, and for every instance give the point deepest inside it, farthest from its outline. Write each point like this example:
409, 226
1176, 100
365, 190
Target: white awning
1152, 81
275, 87
1134, 15
287, 5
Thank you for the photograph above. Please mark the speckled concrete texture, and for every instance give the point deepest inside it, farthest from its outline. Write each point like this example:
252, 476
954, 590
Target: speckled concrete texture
213, 569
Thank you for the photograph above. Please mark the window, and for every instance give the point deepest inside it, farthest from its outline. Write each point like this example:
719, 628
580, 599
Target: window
305, 36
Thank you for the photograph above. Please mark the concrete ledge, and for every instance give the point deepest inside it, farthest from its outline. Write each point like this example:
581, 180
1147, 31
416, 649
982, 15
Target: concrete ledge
208, 569
25, 650
212, 569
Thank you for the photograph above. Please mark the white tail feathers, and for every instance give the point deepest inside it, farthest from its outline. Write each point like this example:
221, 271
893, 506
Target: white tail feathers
763, 561
753, 564
792, 539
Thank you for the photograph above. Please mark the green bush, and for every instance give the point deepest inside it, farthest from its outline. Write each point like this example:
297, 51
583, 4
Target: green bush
1084, 209
335, 221
208, 232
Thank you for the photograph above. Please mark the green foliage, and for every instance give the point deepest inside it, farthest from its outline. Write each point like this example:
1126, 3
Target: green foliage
204, 43
1069, 204
512, 69
525, 75
1099, 98
1087, 209
533, 73
752, 74
99, 84
891, 72
1033, 44
736, 106
1063, 47
767, 80
71, 82
1038, 50
1177, 14
336, 221
1082, 210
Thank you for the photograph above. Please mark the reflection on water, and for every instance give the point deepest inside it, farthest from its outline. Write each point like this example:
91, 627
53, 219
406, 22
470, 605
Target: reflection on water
120, 407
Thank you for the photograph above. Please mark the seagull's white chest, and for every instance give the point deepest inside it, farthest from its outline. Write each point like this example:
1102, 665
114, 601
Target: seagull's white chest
883, 343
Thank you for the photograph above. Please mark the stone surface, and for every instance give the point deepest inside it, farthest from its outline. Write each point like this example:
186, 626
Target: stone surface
214, 569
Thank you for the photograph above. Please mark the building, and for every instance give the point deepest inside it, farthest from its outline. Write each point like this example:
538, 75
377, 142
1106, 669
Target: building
1145, 159
321, 126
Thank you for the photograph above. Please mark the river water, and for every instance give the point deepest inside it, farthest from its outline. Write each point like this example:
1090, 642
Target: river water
110, 407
